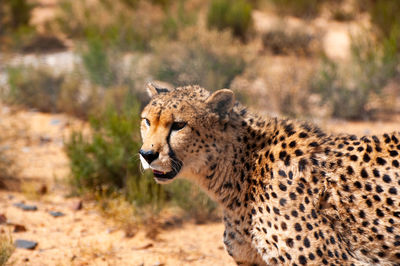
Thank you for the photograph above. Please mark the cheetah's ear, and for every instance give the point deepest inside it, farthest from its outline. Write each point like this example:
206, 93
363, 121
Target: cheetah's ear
153, 89
221, 102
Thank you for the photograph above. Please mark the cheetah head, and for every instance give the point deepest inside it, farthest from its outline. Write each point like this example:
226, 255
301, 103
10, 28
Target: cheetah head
179, 129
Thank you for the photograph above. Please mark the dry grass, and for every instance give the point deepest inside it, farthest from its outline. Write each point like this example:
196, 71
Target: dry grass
6, 248
92, 251
117, 210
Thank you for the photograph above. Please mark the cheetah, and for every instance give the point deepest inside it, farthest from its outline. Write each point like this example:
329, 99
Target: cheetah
290, 194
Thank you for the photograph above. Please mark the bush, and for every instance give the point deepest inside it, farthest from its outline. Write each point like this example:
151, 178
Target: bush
347, 88
227, 14
14, 22
96, 62
299, 8
384, 15
296, 41
125, 25
34, 88
209, 58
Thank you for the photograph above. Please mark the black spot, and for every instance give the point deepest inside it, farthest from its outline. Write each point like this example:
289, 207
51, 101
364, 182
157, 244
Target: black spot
271, 157
380, 161
297, 227
393, 191
357, 184
282, 173
366, 158
292, 196
350, 170
289, 242
302, 165
379, 212
386, 178
364, 173
303, 135
306, 242
302, 260
376, 172
282, 187
298, 152
393, 153
379, 189
292, 144
282, 202
353, 157
389, 201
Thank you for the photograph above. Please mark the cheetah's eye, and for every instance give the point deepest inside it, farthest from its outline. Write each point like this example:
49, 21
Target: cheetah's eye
178, 126
147, 122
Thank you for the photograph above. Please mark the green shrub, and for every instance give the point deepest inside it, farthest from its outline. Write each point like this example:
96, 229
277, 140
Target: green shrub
209, 58
124, 25
96, 62
107, 160
347, 88
15, 30
34, 88
299, 8
14, 14
384, 15
230, 14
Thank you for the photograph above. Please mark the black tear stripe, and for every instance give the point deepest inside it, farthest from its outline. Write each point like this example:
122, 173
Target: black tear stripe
176, 163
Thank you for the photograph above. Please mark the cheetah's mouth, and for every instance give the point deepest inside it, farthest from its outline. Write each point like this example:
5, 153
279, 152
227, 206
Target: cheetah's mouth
162, 177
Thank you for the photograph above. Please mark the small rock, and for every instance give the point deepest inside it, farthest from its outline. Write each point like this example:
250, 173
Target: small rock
54, 122
26, 207
3, 218
26, 244
44, 139
19, 228
42, 190
56, 214
77, 205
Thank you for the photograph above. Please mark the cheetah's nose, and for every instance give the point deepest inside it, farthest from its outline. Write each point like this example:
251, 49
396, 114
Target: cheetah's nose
149, 156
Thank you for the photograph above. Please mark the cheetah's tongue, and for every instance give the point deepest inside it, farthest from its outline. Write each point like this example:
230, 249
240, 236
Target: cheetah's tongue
158, 172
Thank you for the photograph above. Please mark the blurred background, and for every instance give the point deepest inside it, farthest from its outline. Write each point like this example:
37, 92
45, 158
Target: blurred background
72, 79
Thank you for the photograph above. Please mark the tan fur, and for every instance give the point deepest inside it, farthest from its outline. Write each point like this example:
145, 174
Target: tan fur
291, 194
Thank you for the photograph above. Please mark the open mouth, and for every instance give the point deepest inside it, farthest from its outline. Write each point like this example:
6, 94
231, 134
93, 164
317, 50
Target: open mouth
165, 176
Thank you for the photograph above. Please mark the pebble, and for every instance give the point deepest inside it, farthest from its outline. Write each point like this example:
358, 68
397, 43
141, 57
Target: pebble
26, 244
26, 207
19, 228
56, 214
77, 205
3, 218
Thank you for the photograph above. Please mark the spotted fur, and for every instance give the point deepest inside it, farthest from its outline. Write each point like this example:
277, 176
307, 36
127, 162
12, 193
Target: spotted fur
291, 194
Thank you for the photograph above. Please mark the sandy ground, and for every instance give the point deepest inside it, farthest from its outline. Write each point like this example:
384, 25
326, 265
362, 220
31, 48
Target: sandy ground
84, 237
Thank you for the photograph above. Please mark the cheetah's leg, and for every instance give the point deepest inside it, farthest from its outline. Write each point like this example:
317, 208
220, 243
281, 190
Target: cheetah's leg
238, 248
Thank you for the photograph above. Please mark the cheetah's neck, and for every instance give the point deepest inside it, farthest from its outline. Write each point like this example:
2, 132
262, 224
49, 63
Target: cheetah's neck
229, 178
